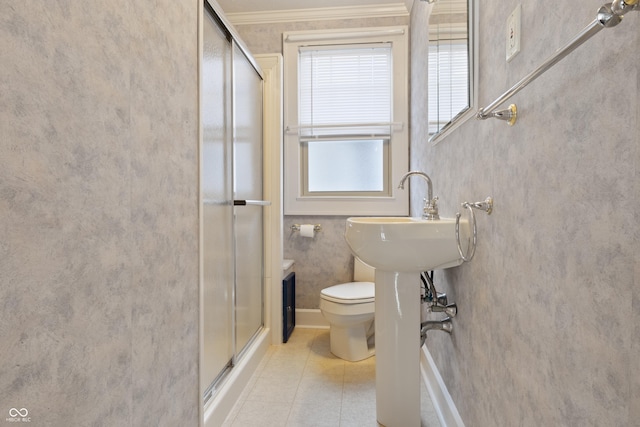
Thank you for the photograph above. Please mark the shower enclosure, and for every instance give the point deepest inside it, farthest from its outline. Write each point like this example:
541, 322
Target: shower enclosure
231, 185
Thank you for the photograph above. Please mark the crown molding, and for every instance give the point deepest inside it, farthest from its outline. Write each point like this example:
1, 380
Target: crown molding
319, 14
409, 5
451, 7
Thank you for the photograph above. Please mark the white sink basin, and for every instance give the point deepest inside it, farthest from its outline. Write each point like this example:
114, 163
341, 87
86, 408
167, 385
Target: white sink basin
406, 244
400, 248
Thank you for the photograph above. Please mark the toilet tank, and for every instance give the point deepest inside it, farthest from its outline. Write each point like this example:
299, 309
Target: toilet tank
362, 272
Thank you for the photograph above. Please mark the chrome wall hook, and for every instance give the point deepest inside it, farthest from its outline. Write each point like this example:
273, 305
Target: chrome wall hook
486, 206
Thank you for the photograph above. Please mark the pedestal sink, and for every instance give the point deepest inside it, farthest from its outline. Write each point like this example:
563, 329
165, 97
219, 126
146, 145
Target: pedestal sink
400, 248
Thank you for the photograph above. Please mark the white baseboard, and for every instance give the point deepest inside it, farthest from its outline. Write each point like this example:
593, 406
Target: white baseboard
442, 401
310, 318
219, 407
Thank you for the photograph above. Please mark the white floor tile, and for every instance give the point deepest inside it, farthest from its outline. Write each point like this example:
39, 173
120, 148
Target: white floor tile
301, 384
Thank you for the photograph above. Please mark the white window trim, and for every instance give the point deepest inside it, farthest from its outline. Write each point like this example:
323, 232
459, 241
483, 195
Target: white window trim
398, 202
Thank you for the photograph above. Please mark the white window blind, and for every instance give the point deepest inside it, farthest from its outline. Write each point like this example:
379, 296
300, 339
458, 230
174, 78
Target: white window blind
345, 90
448, 69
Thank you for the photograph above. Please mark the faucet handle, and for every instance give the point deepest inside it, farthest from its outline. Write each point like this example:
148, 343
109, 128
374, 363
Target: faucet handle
434, 203
430, 210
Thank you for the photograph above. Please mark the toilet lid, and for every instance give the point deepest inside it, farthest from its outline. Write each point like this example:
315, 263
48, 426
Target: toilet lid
350, 293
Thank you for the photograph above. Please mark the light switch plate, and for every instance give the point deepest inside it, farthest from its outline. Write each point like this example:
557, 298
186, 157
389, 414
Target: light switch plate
513, 33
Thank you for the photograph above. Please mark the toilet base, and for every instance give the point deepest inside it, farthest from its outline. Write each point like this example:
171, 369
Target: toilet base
352, 343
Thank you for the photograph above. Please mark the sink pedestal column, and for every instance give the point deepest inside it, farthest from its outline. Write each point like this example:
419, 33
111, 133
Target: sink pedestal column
397, 328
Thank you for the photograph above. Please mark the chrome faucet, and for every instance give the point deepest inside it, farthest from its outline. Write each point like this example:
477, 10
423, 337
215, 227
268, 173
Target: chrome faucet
444, 325
430, 209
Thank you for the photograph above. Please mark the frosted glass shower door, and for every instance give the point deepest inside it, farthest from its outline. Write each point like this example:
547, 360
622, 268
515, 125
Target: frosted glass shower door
216, 183
247, 109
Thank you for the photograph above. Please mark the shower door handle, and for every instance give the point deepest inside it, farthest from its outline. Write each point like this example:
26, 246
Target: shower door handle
251, 203
211, 202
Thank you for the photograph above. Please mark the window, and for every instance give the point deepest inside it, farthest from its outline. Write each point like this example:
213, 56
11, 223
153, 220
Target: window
346, 113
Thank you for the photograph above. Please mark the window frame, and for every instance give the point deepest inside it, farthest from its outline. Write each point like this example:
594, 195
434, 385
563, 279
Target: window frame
396, 201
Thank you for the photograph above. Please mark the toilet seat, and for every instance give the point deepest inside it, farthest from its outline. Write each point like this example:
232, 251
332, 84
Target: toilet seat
349, 308
350, 293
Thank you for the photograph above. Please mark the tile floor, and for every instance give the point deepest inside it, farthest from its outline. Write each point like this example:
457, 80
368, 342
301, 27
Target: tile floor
300, 384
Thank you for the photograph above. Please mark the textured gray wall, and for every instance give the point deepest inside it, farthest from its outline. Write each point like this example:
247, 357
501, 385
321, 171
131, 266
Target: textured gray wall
326, 259
548, 327
99, 214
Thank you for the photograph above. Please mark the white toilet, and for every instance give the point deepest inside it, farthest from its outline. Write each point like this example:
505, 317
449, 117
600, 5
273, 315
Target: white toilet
349, 308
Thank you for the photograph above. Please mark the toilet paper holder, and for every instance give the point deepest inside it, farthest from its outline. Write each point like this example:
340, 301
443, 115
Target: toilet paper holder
316, 228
